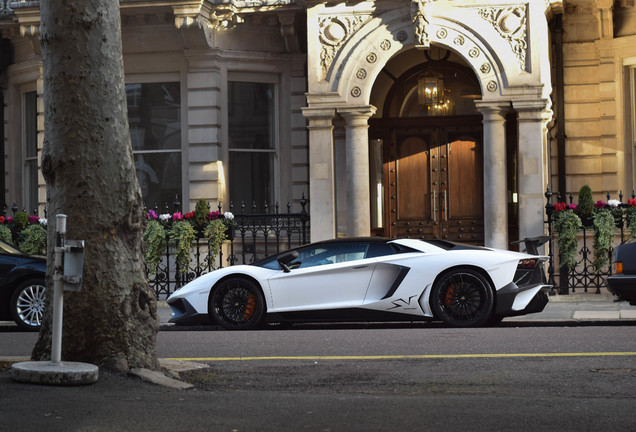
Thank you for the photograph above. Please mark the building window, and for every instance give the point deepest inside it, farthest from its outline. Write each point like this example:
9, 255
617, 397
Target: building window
30, 134
154, 117
252, 142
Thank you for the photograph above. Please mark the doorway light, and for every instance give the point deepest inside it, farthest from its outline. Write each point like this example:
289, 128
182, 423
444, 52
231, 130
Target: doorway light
430, 89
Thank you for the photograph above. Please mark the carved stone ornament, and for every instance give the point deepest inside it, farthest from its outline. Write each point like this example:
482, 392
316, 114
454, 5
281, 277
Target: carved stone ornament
491, 86
421, 18
333, 33
510, 22
361, 74
356, 92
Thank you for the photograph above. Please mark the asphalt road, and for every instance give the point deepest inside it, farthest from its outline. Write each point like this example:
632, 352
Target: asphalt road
355, 378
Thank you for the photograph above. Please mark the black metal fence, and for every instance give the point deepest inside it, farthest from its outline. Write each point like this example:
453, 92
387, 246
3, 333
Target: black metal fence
251, 236
583, 277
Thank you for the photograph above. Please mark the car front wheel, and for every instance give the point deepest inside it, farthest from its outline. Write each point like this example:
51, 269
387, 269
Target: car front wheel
462, 298
237, 304
27, 304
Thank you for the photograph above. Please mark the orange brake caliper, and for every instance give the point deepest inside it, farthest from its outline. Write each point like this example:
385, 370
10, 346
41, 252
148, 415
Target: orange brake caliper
449, 295
249, 308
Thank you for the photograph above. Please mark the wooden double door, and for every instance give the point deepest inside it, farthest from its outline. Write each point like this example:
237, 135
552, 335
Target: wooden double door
434, 181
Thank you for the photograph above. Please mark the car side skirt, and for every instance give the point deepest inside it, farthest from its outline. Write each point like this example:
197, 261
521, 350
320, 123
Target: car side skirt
343, 315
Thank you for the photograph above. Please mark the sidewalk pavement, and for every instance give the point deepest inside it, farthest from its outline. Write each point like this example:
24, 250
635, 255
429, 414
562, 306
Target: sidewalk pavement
578, 307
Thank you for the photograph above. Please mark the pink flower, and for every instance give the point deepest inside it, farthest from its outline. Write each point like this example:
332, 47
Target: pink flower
214, 215
177, 216
151, 215
600, 204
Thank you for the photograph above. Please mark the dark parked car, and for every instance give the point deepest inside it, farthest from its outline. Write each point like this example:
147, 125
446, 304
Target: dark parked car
622, 281
22, 287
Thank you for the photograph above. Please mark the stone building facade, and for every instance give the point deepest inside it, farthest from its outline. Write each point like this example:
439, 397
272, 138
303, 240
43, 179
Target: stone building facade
420, 118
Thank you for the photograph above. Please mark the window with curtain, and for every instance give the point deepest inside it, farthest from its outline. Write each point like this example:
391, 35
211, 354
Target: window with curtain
252, 143
154, 117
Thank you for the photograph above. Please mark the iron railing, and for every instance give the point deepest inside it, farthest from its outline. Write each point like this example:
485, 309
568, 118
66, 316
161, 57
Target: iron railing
251, 236
583, 277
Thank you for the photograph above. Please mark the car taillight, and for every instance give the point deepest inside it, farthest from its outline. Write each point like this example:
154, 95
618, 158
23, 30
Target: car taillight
527, 264
618, 267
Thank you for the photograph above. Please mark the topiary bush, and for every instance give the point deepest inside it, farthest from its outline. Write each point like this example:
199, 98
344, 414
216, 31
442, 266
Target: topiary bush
585, 208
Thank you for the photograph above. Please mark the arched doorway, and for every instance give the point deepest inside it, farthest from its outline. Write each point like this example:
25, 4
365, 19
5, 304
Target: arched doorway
426, 152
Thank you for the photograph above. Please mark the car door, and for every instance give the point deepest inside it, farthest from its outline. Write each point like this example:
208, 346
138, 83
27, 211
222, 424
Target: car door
324, 276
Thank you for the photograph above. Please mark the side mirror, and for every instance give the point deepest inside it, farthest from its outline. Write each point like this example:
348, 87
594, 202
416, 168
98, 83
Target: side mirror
287, 258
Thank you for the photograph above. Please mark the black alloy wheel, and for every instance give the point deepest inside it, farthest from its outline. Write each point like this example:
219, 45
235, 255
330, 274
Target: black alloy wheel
237, 304
27, 304
462, 298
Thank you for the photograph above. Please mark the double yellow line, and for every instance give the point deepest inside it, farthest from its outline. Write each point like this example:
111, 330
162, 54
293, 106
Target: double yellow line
409, 357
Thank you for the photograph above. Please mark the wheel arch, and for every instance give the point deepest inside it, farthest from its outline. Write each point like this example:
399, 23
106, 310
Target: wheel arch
475, 268
240, 276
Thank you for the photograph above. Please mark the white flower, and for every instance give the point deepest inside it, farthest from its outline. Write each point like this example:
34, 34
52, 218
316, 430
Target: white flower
228, 215
613, 203
43, 221
165, 217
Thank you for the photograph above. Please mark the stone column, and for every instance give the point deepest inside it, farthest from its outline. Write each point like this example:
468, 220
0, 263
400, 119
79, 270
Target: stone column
532, 173
322, 198
495, 189
357, 151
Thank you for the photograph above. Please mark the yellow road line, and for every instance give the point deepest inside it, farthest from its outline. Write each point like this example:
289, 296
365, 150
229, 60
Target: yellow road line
407, 357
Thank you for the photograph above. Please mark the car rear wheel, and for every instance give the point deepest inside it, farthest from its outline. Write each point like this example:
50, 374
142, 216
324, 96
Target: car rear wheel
27, 304
237, 304
462, 298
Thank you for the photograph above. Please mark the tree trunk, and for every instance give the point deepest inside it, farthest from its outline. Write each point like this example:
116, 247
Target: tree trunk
88, 166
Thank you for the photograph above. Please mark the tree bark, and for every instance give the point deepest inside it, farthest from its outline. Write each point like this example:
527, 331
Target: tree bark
88, 166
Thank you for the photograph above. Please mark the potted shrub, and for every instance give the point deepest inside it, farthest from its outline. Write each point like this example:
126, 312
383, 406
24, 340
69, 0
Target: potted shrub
585, 207
567, 225
604, 225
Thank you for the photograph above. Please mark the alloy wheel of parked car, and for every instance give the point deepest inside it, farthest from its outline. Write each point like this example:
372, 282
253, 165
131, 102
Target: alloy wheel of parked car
238, 304
27, 304
462, 298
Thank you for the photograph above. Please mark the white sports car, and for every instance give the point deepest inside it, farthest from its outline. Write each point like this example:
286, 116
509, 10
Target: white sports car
368, 279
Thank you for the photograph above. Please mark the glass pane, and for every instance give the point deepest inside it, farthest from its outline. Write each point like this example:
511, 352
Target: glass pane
32, 185
460, 90
251, 179
376, 183
251, 115
31, 124
154, 115
31, 151
159, 176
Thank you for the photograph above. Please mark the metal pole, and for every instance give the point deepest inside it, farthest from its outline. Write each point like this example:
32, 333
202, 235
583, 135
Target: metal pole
58, 289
